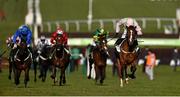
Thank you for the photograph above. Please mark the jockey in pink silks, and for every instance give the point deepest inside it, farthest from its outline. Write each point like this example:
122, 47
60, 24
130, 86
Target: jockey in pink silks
123, 23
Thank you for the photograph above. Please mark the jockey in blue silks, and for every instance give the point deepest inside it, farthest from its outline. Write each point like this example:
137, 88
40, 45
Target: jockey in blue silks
23, 33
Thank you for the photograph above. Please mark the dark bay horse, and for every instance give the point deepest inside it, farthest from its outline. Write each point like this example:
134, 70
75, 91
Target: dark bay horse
99, 59
44, 62
22, 62
128, 55
61, 60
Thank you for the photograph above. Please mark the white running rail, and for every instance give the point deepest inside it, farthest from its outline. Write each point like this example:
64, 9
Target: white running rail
144, 21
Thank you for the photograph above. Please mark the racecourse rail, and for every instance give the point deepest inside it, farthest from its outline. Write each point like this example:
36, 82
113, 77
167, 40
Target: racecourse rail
102, 22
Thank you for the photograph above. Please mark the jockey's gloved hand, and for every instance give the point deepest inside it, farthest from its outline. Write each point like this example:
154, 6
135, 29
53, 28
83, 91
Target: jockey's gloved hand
28, 45
15, 46
39, 51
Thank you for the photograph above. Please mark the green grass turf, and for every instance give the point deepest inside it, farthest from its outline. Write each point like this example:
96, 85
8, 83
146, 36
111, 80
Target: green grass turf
166, 83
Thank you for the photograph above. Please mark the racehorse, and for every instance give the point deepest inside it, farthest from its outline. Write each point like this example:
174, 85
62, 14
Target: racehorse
22, 61
61, 60
44, 62
99, 59
128, 55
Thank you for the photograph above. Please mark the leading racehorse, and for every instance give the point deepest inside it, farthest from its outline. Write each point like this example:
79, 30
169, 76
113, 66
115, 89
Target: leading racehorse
99, 59
128, 55
22, 61
61, 60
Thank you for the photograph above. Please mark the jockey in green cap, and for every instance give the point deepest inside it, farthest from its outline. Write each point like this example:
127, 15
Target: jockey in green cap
99, 32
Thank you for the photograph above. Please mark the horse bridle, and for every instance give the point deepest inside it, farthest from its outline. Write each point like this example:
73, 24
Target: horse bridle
29, 55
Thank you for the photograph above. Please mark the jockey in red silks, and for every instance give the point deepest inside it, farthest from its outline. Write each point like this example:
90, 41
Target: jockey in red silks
60, 36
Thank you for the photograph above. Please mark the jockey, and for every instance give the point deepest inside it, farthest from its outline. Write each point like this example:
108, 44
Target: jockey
96, 34
23, 33
126, 22
59, 36
41, 43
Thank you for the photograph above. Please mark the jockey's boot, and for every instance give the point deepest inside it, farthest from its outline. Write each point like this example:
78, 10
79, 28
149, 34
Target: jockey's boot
117, 44
107, 54
52, 53
138, 50
118, 48
91, 55
116, 53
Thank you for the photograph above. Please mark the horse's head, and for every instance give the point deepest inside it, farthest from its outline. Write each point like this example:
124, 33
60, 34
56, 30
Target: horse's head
59, 48
131, 34
103, 42
45, 50
23, 47
23, 53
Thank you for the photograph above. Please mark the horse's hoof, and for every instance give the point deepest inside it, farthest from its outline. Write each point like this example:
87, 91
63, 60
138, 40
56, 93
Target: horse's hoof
89, 77
60, 83
52, 76
43, 80
132, 76
101, 82
126, 80
64, 81
40, 76
9, 77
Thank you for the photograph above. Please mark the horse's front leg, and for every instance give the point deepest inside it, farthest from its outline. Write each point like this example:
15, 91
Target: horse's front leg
90, 67
17, 76
126, 74
35, 70
103, 74
26, 77
10, 70
45, 73
120, 72
53, 72
97, 72
62, 76
133, 70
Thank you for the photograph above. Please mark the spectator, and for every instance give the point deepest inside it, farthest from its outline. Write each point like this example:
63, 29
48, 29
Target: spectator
150, 63
75, 59
175, 58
